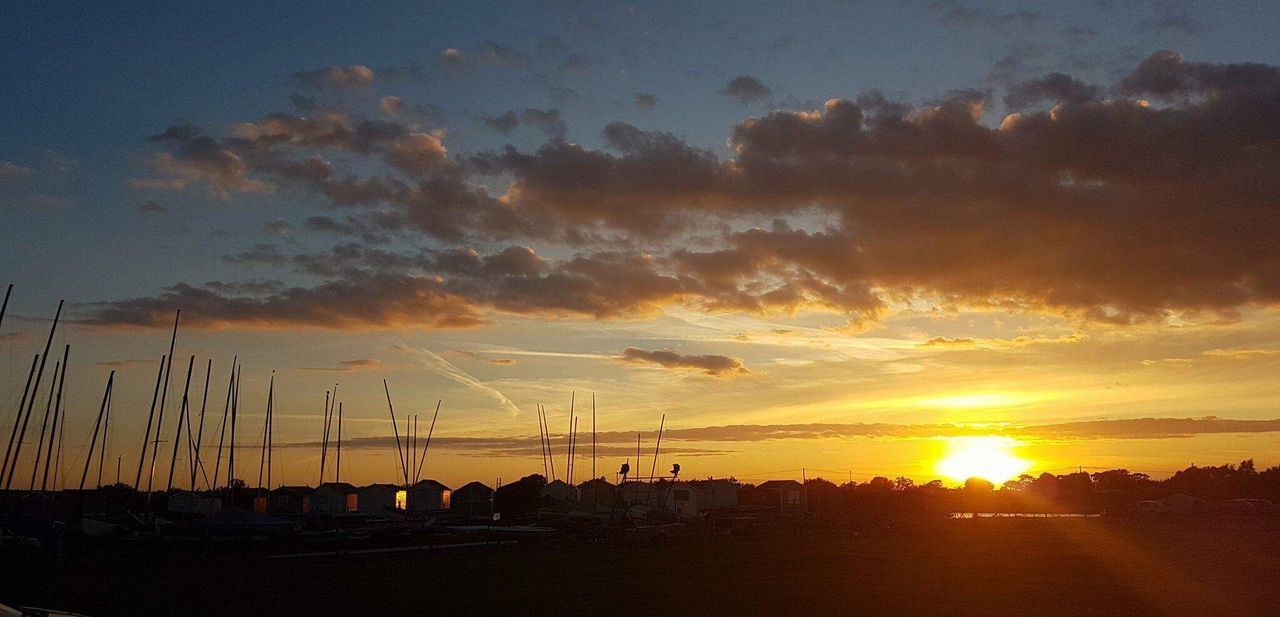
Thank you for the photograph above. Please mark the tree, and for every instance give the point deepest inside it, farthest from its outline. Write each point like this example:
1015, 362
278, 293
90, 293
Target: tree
978, 485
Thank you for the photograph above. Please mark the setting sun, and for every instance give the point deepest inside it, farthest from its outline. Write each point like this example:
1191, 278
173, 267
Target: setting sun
989, 458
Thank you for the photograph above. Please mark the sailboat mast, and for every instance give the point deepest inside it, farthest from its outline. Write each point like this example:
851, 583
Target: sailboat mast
106, 395
44, 358
423, 457
146, 439
198, 463
17, 418
164, 397
182, 415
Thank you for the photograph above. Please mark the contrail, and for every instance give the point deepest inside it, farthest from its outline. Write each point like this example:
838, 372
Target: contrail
434, 362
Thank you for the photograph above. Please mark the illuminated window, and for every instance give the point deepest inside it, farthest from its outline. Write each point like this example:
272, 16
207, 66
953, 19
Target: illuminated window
446, 497
402, 500
352, 502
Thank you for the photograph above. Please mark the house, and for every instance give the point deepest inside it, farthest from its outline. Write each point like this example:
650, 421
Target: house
714, 494
335, 498
680, 498
787, 495
473, 499
377, 499
598, 492
558, 491
429, 496
291, 500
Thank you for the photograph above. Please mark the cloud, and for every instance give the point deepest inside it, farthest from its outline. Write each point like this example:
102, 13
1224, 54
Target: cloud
857, 206
745, 88
615, 443
437, 364
989, 343
279, 228
482, 358
126, 364
709, 364
258, 254
452, 61
10, 172
347, 366
1054, 87
545, 120
348, 77
645, 100
456, 62
192, 158
954, 13
396, 107
150, 206
371, 288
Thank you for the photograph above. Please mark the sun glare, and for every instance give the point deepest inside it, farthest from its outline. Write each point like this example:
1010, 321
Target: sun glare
989, 458
978, 400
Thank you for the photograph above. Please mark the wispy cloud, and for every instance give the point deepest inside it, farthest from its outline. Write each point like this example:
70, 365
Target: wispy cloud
437, 364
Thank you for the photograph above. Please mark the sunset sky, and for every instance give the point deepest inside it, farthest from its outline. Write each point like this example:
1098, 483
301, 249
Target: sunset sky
830, 238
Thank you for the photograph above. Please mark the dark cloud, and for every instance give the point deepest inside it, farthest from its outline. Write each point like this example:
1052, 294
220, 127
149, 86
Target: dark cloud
955, 13
645, 100
279, 228
504, 123
348, 77
427, 115
371, 288
349, 226
709, 364
189, 157
1157, 198
246, 288
745, 88
151, 207
258, 254
546, 120
1054, 87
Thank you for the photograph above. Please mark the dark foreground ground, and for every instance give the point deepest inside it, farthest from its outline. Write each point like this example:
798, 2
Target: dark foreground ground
973, 567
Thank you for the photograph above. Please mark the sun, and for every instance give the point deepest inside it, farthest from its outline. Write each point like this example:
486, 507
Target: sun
989, 458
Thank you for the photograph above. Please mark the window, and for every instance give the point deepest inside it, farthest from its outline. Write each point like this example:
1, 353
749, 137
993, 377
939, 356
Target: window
402, 500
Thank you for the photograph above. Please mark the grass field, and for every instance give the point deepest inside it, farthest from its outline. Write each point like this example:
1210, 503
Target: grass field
972, 567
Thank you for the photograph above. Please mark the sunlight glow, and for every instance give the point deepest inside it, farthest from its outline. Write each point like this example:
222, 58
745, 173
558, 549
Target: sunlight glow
977, 400
989, 458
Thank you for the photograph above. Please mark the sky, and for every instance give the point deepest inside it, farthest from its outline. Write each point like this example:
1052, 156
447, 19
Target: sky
822, 238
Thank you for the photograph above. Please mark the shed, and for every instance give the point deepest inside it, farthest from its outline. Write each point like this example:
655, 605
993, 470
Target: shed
788, 495
558, 491
335, 498
713, 494
291, 500
377, 499
473, 499
429, 496
598, 492
680, 498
